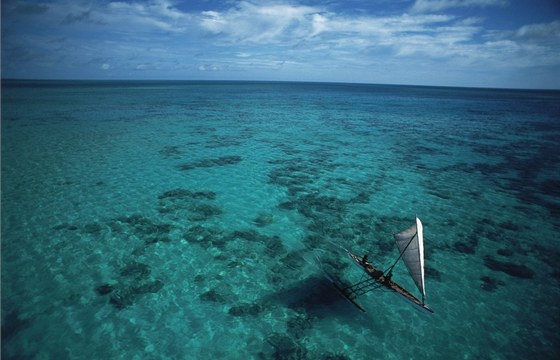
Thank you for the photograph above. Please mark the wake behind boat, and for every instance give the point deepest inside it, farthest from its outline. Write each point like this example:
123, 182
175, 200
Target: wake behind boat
411, 246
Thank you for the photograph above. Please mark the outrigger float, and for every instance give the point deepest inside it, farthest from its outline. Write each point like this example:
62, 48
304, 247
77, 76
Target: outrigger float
411, 246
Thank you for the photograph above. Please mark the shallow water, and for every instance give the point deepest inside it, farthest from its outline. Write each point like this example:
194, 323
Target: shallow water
199, 220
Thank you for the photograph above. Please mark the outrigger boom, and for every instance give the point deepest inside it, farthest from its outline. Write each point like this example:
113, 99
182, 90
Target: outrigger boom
410, 243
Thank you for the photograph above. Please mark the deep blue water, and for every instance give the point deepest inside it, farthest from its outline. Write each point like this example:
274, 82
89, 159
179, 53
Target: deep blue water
196, 220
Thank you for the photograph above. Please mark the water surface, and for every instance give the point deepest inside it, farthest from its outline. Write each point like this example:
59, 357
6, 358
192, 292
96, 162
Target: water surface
198, 220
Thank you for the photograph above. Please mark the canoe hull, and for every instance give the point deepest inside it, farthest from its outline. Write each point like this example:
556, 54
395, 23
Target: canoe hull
388, 283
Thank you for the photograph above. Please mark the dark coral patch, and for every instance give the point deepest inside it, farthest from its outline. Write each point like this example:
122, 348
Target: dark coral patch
362, 198
193, 205
244, 309
450, 222
122, 298
432, 273
550, 187
212, 296
249, 234
135, 270
205, 237
293, 260
263, 220
298, 324
467, 246
12, 324
202, 212
139, 250
125, 295
288, 205
188, 194
148, 242
231, 264
315, 203
208, 163
142, 226
513, 269
223, 141
294, 174
149, 287
504, 252
105, 289
331, 356
552, 207
286, 348
464, 247
93, 228
201, 233
157, 239
441, 194
509, 225
171, 152
490, 284
275, 245
65, 226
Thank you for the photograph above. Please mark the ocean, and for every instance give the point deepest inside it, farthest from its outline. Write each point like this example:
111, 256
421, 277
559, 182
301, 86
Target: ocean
203, 220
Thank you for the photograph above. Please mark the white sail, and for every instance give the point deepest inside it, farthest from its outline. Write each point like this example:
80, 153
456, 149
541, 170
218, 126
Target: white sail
411, 245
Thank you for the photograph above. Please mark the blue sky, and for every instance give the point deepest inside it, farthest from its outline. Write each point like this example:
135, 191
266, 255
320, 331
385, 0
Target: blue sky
486, 43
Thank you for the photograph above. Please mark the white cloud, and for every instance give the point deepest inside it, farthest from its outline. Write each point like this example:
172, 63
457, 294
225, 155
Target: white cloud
268, 23
540, 31
440, 5
280, 36
319, 24
290, 25
160, 14
208, 67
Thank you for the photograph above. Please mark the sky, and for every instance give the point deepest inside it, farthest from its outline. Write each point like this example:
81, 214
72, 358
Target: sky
475, 43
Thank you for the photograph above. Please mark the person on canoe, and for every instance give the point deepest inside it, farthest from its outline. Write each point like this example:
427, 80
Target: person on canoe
364, 260
376, 274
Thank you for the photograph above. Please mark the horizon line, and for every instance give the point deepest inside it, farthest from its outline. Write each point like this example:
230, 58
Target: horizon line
278, 81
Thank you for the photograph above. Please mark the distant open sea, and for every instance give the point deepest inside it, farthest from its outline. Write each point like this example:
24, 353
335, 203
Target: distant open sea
199, 220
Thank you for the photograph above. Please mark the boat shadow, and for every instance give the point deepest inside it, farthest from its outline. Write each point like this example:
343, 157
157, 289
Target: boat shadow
316, 296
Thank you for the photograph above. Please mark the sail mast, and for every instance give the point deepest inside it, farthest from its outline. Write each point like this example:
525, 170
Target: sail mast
420, 232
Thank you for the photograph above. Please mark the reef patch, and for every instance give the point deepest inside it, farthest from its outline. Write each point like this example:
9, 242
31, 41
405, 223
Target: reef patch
510, 268
209, 163
490, 284
133, 280
186, 204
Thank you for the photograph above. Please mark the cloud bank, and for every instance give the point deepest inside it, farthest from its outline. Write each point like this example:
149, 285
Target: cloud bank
439, 5
424, 42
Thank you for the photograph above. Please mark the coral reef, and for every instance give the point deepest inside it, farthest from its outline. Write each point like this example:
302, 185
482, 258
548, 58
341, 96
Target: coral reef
209, 163
263, 219
510, 268
186, 204
245, 309
490, 283
134, 280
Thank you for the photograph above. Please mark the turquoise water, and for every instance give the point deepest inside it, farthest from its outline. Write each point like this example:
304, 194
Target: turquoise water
197, 220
